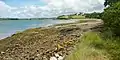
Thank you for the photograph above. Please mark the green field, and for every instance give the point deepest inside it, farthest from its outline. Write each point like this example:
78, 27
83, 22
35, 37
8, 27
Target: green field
71, 17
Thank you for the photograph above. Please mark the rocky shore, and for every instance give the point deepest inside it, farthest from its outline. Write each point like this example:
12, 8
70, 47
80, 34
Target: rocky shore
49, 43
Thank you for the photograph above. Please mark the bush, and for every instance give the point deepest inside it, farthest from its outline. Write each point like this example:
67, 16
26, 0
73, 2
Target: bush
111, 18
93, 15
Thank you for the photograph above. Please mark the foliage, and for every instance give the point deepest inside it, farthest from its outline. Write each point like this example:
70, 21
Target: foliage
110, 2
96, 46
72, 16
85, 49
93, 15
63, 17
111, 18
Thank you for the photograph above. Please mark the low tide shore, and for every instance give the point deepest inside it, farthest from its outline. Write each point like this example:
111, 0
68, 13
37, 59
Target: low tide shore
55, 41
8, 28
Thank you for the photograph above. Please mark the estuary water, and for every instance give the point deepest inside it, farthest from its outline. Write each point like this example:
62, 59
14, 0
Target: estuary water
9, 27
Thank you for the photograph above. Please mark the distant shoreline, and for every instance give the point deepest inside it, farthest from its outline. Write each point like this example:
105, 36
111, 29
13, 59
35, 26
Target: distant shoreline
64, 22
25, 18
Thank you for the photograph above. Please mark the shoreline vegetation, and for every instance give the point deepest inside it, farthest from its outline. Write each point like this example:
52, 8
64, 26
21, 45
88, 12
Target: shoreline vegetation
94, 15
96, 46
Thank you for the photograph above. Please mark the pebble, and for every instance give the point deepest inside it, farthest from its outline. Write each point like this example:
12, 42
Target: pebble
53, 58
56, 55
60, 58
38, 54
2, 52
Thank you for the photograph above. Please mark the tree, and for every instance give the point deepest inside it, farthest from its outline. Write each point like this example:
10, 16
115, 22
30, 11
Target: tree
110, 2
93, 15
111, 18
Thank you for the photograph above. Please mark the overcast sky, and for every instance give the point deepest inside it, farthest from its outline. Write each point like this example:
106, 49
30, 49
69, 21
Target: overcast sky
47, 8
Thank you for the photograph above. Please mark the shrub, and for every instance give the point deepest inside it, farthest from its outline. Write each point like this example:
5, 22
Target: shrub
93, 15
111, 18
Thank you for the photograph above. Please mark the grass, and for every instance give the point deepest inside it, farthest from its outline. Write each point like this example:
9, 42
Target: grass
96, 46
72, 17
78, 17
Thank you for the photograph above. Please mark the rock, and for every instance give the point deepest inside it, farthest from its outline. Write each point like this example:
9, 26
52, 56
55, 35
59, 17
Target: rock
53, 58
56, 55
31, 59
59, 47
2, 52
17, 45
38, 54
60, 58
44, 58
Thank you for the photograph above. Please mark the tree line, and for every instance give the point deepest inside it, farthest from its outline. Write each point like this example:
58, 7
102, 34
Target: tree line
111, 16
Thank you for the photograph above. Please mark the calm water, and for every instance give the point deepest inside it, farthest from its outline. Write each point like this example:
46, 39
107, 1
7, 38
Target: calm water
9, 27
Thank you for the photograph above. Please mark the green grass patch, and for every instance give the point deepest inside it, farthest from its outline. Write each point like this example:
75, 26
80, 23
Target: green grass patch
77, 17
95, 46
71, 17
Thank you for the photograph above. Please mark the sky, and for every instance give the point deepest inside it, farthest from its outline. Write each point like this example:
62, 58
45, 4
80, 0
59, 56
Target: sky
47, 8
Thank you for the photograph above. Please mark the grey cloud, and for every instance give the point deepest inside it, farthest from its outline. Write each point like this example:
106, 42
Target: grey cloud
52, 9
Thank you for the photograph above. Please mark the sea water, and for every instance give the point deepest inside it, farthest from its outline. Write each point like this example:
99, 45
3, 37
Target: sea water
9, 27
